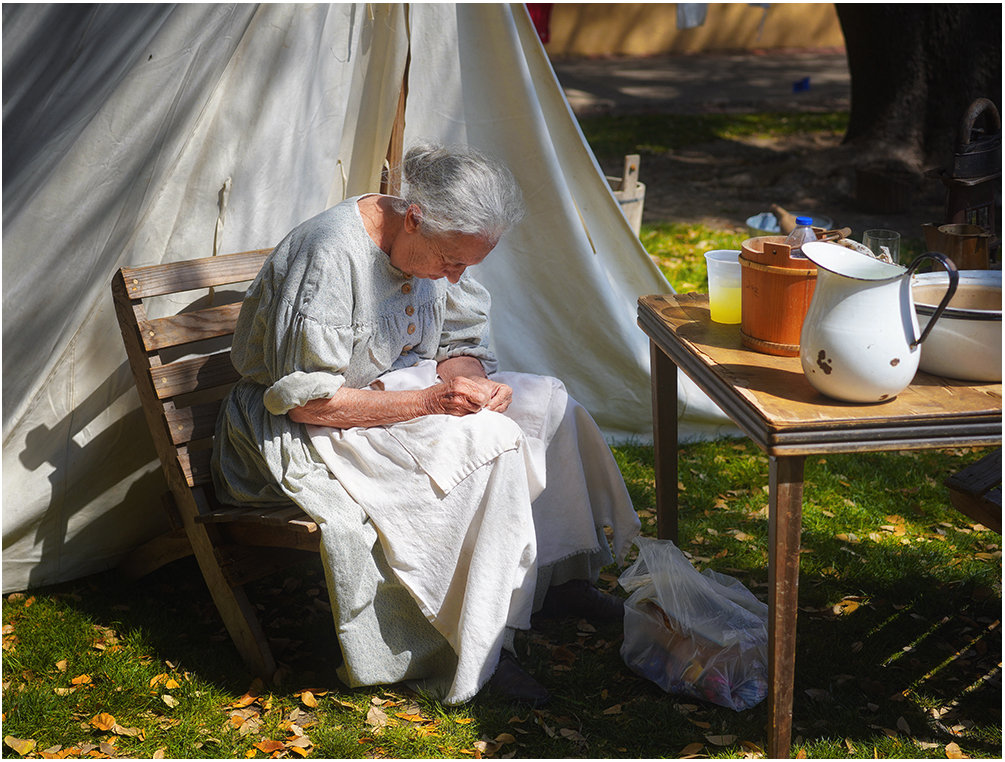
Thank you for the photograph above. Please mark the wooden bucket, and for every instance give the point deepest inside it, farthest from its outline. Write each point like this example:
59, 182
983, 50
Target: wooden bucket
630, 193
967, 245
777, 290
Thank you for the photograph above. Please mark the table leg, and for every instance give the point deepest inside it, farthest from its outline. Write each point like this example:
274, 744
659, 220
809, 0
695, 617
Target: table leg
785, 496
664, 390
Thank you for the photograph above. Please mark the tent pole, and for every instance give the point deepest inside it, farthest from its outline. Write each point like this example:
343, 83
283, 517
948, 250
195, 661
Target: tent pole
390, 182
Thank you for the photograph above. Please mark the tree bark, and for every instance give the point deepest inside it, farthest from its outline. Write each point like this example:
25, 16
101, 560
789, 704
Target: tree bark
915, 69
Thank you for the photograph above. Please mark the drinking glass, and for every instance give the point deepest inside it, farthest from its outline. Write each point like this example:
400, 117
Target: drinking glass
883, 243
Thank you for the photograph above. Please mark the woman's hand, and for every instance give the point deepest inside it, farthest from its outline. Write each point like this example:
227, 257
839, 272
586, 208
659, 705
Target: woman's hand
462, 395
470, 368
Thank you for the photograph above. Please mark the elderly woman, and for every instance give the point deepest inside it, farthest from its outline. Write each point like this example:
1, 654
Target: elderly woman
453, 500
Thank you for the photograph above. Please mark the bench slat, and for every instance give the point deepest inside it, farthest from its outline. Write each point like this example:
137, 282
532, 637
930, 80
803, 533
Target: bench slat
187, 327
195, 464
173, 277
190, 374
190, 423
291, 516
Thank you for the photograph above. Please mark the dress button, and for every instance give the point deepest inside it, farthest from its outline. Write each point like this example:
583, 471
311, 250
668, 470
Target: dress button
406, 288
411, 328
406, 349
410, 310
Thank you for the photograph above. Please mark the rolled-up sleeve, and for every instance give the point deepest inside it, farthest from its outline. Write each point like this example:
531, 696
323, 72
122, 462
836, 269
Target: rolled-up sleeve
466, 323
296, 348
307, 362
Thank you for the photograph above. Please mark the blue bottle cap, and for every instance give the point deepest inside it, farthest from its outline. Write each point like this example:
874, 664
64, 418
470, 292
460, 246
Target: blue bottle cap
804, 220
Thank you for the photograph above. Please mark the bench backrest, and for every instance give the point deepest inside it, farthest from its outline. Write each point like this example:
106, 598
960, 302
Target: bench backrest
181, 360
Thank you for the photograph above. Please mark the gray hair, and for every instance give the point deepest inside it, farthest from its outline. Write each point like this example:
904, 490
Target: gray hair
459, 190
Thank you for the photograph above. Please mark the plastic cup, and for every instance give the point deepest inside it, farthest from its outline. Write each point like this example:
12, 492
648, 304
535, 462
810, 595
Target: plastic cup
883, 243
724, 287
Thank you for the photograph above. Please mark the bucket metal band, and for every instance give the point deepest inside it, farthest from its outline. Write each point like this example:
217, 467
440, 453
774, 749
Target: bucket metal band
775, 269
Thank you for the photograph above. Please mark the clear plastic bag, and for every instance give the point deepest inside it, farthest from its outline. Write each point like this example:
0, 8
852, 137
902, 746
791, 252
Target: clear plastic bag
702, 635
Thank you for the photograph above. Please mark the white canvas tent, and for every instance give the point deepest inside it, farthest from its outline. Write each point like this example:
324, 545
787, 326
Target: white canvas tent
139, 134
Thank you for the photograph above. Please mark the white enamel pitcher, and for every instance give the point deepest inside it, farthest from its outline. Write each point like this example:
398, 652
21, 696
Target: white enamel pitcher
860, 339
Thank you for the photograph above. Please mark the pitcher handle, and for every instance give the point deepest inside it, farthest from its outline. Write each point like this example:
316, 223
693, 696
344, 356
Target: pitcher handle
954, 280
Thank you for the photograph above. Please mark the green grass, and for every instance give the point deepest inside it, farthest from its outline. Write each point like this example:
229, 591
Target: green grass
898, 639
898, 643
678, 249
659, 133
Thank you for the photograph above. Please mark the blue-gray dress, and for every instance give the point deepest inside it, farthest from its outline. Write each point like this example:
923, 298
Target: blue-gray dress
328, 309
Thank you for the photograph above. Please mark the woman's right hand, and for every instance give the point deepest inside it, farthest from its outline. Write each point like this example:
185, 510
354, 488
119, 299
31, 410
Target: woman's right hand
460, 395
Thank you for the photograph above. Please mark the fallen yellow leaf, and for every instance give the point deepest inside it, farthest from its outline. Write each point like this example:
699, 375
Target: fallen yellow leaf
411, 717
953, 751
102, 721
692, 748
752, 747
845, 607
270, 745
250, 696
308, 699
61, 665
377, 717
131, 732
81, 680
22, 746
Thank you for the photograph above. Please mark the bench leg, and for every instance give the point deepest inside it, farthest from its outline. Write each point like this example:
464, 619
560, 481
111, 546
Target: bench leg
238, 614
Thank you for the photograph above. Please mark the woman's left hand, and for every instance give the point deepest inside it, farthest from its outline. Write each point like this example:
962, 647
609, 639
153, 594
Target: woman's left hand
499, 395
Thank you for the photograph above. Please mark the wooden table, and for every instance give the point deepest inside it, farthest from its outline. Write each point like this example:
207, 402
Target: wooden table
770, 399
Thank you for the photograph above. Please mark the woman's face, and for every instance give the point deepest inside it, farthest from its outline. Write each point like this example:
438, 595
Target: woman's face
441, 257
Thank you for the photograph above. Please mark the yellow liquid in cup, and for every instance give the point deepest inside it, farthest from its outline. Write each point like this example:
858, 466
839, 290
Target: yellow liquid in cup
724, 303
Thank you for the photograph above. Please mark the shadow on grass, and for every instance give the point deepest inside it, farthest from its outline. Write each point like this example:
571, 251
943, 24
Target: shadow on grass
898, 644
910, 646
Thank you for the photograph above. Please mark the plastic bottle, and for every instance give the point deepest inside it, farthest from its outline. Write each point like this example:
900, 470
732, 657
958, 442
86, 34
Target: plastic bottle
801, 233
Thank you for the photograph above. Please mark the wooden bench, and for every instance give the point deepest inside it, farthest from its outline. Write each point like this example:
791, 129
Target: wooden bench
177, 327
976, 491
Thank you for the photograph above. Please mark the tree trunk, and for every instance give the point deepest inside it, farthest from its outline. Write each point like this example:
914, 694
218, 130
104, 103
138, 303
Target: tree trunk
915, 70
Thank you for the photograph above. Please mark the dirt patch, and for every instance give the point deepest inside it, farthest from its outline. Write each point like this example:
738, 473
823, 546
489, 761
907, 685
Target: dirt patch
722, 183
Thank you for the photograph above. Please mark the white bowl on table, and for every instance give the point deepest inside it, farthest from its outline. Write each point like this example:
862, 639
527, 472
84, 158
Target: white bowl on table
966, 342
